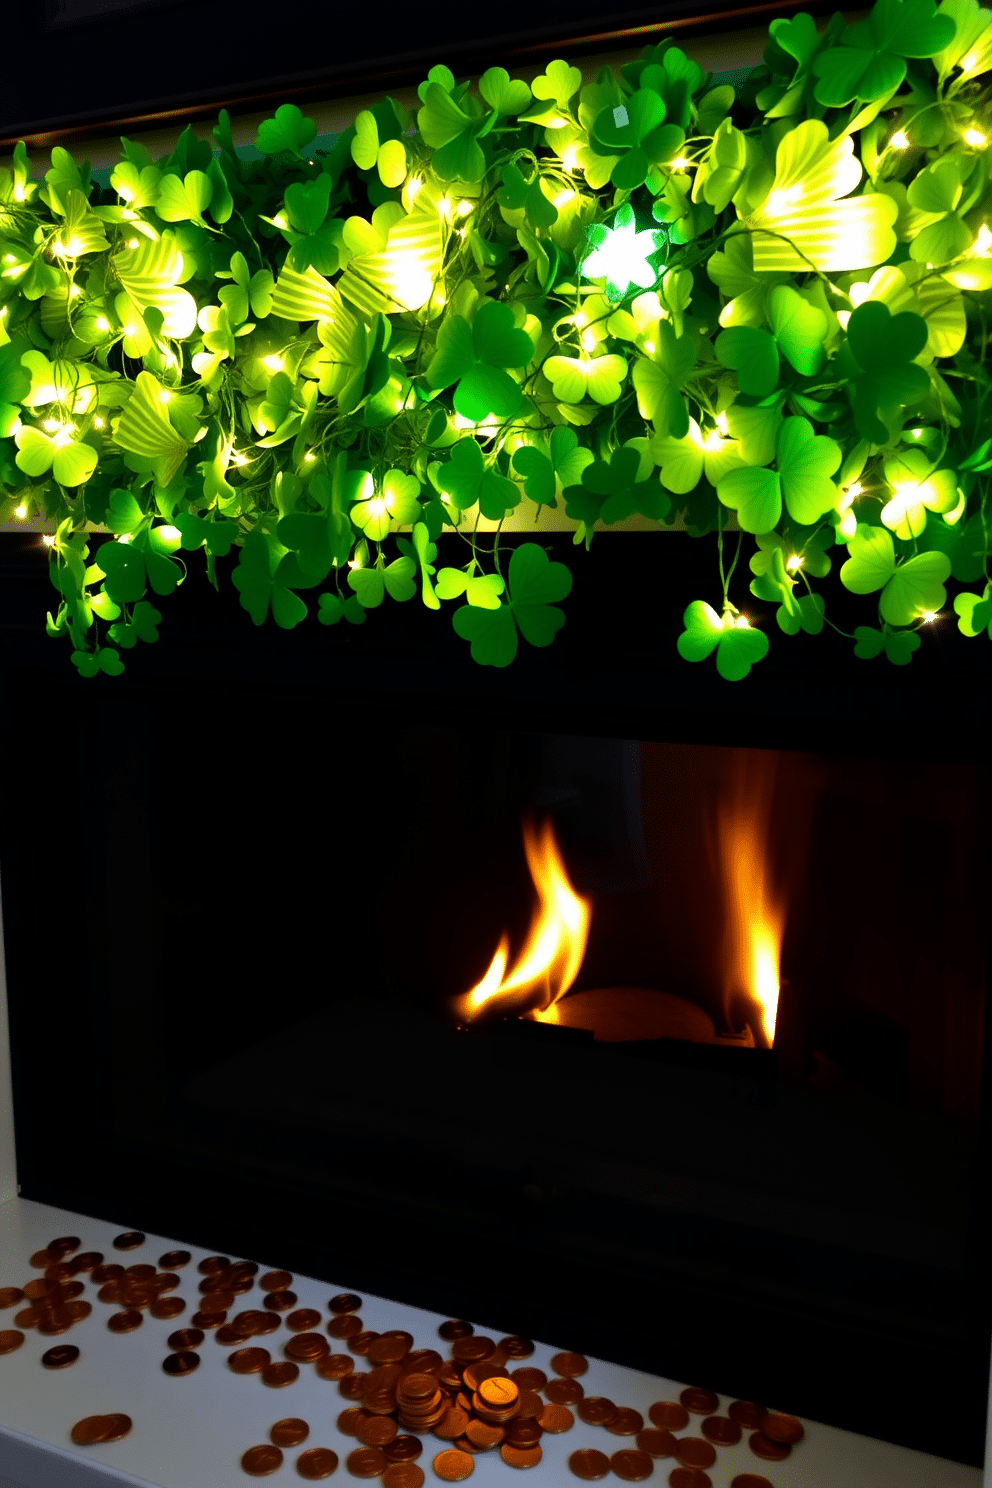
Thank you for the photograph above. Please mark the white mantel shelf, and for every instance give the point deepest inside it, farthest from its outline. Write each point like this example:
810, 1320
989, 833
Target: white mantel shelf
190, 1432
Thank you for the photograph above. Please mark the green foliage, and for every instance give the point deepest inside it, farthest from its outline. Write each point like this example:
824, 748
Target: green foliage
630, 297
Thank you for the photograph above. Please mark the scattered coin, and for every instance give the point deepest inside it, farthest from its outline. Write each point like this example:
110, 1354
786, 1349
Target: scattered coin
556, 1418
528, 1378
280, 1301
205, 1319
303, 1319
185, 1338
588, 1464
403, 1475
279, 1373
692, 1451
453, 1466
523, 1433
455, 1328
747, 1413
750, 1480
565, 1391
335, 1366
318, 1462
344, 1302
470, 1349
10, 1296
763, 1446
627, 1422
700, 1402
117, 1427
89, 1431
308, 1347
785, 1430
211, 1265
531, 1404
262, 1460
360, 1343
657, 1443
174, 1260
482, 1437
61, 1356
64, 1245
183, 1362
376, 1431
275, 1281
289, 1432
344, 1326
689, 1477
130, 1240
352, 1386
569, 1365
87, 1260
516, 1346
167, 1307
249, 1360
404, 1449
125, 1322
632, 1466
366, 1462
722, 1430
28, 1317
596, 1410
520, 1456
10, 1339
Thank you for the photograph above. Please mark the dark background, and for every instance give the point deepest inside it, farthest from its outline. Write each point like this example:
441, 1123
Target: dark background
93, 62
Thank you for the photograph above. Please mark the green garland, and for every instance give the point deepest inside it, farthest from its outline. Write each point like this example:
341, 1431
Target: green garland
763, 310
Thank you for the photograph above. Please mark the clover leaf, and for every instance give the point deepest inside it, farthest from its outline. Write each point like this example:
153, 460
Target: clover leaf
870, 62
518, 193
481, 590
465, 479
197, 532
805, 461
599, 376
331, 609
559, 81
397, 502
452, 133
475, 356
535, 584
184, 199
910, 589
642, 142
103, 659
610, 491
974, 612
658, 382
737, 644
547, 474
143, 626
917, 488
898, 645
288, 133
773, 581
880, 353
262, 580
70, 461
684, 461
371, 585
15, 386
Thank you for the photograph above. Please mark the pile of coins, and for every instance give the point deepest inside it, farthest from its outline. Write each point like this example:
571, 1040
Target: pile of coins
472, 1402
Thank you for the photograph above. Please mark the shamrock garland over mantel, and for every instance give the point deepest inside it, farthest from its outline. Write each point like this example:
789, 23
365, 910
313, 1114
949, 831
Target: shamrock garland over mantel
759, 314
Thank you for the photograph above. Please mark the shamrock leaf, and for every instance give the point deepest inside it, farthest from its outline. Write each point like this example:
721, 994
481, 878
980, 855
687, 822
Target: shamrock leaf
974, 612
535, 584
684, 461
737, 644
805, 461
452, 134
505, 95
217, 536
518, 193
368, 153
136, 186
475, 356
331, 609
611, 491
145, 427
151, 274
261, 578
910, 589
184, 199
143, 626
870, 62
481, 590
72, 463
103, 659
371, 585
466, 480
642, 141
546, 475
288, 132
917, 488
898, 645
658, 382
559, 81
879, 357
753, 355
620, 254
397, 502
773, 581
572, 377
15, 387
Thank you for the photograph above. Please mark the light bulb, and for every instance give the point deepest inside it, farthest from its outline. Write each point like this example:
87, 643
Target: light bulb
19, 191
721, 422
568, 159
580, 318
102, 323
649, 347
900, 140
855, 489
975, 138
588, 339
444, 206
74, 291
414, 185
928, 616
982, 247
99, 423
48, 540
274, 363
564, 196
679, 163
164, 396
794, 563
132, 242
967, 63
238, 458
464, 207
309, 457
21, 511
50, 425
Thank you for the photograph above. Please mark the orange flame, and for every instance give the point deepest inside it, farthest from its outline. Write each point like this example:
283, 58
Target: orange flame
755, 916
556, 943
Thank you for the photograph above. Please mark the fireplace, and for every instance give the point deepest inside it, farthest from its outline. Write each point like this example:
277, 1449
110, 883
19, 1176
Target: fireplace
747, 1136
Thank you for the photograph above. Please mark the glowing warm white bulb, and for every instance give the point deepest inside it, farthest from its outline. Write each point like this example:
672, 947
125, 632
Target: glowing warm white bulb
967, 63
975, 138
274, 363
74, 247
48, 540
74, 291
281, 221
900, 140
588, 340
99, 423
102, 323
982, 247
414, 185
564, 196
580, 318
444, 206
712, 440
649, 347
9, 258
238, 458
21, 511
742, 622
794, 563
164, 396
679, 163
19, 191
721, 422
929, 615
132, 242
568, 159
855, 489
309, 457
464, 207
780, 201
50, 425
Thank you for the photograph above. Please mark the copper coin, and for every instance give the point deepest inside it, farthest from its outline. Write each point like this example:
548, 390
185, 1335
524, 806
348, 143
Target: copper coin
669, 1415
245, 1269
130, 1240
531, 1404
750, 1480
360, 1343
167, 1307
303, 1319
10, 1339
64, 1245
140, 1272
632, 1466
589, 1465
689, 1477
498, 1393
216, 1301
41, 1259
403, 1475
38, 1288
228, 1334
306, 1346
627, 1422
28, 1317
376, 1431
109, 1271
208, 1319
474, 1374
185, 1338
455, 1328
116, 1427
335, 1366
344, 1302
453, 1423
164, 1281
280, 1301
525, 1433
352, 1386
453, 1466
60, 1356
747, 1413
528, 1378
344, 1326
470, 1350
10, 1296
275, 1281
422, 1361
692, 1451
125, 1322
366, 1462
78, 1310
596, 1410
563, 1391
318, 1462
388, 1348
61, 1272
90, 1430
785, 1430
722, 1430
569, 1365
279, 1373
520, 1456
289, 1432
183, 1362
482, 1437
255, 1321
268, 1322
174, 1260
260, 1461
415, 1387
350, 1419
700, 1402
770, 1451
404, 1449
556, 1418
210, 1265
657, 1443
515, 1346
87, 1260
249, 1360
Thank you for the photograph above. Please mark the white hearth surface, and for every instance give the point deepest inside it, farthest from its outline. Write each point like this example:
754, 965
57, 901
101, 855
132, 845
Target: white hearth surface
191, 1431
